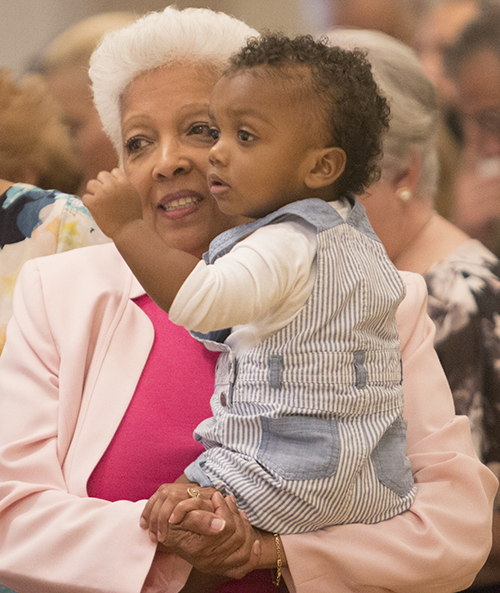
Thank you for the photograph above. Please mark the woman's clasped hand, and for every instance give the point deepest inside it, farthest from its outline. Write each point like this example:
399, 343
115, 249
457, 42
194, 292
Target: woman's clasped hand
206, 530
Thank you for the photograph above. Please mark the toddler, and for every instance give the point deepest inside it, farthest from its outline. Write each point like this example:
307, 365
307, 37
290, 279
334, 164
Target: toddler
307, 427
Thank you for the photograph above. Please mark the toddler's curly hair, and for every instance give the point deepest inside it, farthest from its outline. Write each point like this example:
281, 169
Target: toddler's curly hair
351, 110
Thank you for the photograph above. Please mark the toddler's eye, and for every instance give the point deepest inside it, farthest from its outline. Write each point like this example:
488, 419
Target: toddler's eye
245, 136
214, 133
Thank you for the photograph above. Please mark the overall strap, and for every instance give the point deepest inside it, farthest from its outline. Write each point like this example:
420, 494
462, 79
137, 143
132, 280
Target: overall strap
316, 212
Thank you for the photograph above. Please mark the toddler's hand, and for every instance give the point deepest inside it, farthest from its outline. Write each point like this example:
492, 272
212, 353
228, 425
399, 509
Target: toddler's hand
113, 201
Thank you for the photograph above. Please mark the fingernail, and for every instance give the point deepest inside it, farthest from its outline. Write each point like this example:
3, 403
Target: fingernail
256, 547
143, 523
217, 524
153, 537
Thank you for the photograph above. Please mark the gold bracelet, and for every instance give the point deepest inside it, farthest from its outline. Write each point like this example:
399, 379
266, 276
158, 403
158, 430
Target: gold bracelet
277, 541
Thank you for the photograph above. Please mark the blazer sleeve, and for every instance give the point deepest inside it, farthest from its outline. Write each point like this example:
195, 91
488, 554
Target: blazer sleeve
52, 539
440, 543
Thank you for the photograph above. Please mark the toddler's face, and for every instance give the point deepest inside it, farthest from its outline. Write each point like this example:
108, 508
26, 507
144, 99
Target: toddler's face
259, 161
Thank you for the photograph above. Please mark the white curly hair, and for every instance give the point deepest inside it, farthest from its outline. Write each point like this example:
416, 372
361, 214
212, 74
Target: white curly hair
193, 36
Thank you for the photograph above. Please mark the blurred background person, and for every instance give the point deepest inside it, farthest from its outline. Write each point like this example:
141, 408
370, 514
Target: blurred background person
36, 148
437, 29
473, 62
35, 145
33, 223
462, 276
64, 66
427, 25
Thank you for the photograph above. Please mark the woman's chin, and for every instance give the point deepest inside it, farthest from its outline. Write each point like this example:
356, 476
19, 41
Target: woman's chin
192, 229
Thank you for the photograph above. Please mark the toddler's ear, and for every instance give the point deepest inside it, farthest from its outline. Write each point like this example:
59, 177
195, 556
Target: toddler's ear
327, 165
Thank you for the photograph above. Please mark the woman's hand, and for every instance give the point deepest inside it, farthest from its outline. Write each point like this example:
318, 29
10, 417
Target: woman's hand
158, 509
222, 542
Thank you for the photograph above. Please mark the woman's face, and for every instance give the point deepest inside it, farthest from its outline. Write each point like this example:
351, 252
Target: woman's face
166, 140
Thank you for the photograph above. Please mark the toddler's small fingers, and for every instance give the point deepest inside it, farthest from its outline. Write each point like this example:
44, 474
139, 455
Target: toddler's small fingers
103, 176
93, 185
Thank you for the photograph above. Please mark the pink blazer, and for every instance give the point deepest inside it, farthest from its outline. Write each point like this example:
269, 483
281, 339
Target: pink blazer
75, 351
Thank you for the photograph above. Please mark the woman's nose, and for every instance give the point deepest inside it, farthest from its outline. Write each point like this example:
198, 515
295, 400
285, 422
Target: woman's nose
172, 158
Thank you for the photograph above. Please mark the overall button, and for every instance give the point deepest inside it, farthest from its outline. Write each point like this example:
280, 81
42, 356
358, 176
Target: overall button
223, 401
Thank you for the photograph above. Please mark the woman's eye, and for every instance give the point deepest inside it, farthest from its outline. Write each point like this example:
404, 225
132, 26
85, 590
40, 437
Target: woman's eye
135, 144
245, 136
201, 129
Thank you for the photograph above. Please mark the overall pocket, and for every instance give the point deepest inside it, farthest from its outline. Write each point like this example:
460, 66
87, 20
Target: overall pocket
389, 457
300, 448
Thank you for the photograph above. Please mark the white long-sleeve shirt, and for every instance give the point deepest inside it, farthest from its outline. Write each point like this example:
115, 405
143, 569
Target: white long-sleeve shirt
257, 289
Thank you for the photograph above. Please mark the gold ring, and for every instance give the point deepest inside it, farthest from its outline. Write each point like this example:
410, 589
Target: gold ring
193, 492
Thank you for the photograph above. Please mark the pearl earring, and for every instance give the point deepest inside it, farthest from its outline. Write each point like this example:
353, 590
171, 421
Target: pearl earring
404, 194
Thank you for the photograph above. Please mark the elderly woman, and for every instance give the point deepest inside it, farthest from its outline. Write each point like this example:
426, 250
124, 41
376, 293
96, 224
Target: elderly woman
103, 424
462, 276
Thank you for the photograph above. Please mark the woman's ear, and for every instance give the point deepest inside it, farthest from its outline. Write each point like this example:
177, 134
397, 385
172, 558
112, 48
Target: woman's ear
325, 167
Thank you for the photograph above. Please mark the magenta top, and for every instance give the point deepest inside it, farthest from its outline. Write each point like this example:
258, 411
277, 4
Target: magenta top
154, 442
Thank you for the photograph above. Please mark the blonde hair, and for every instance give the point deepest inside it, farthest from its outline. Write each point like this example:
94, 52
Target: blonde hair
33, 136
192, 37
75, 45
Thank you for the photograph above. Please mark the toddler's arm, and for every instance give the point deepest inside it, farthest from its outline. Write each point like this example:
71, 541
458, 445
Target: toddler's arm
116, 207
267, 277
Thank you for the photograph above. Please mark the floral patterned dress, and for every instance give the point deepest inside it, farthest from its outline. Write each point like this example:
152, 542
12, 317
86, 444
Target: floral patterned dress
36, 222
464, 303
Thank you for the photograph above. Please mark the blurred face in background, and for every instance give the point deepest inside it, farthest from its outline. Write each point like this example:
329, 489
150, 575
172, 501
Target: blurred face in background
71, 88
478, 86
439, 29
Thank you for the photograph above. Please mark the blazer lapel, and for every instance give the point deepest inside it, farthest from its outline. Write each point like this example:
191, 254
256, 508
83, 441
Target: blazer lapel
116, 368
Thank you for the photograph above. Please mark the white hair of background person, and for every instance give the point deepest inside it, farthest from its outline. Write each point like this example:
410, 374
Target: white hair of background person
414, 123
124, 54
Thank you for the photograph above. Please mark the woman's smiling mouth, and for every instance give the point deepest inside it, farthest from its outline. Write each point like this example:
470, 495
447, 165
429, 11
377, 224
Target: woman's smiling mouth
181, 203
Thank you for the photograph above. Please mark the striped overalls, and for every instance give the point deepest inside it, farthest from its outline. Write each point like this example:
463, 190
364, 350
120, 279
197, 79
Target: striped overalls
307, 428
